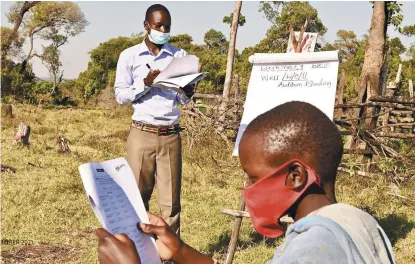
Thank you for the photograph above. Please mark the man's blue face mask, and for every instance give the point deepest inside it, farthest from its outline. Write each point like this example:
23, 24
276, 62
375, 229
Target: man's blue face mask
157, 37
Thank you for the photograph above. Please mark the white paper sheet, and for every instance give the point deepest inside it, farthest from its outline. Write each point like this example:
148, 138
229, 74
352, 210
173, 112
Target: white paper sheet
116, 201
179, 66
176, 83
280, 78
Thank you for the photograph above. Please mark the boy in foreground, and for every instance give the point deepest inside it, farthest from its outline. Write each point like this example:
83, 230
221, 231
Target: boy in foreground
290, 154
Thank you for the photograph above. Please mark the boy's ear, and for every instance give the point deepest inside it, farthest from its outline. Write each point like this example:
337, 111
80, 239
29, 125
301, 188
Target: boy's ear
297, 176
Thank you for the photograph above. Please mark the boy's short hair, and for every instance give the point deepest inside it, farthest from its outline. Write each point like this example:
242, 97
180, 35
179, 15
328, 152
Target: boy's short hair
154, 8
296, 129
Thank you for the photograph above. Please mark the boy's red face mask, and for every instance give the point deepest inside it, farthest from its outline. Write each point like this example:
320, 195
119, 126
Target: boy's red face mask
268, 199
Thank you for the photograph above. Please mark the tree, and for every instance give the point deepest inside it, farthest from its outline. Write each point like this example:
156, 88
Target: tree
50, 58
47, 19
16, 15
101, 68
182, 40
282, 15
409, 31
346, 43
216, 41
230, 58
271, 9
375, 49
228, 20
12, 49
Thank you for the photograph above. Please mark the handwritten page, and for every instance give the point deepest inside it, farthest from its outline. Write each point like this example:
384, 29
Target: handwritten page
280, 78
117, 203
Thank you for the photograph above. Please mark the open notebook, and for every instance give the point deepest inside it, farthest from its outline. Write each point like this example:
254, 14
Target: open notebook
180, 72
116, 201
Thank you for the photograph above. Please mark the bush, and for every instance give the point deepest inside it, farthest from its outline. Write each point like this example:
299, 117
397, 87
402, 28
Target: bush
15, 84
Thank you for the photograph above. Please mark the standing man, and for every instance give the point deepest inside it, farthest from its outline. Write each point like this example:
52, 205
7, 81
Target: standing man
154, 143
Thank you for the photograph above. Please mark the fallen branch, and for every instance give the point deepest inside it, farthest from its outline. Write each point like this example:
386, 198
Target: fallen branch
400, 196
355, 172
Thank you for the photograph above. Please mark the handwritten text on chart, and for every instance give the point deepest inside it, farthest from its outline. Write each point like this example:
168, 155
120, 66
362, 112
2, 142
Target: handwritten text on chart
295, 79
275, 68
286, 76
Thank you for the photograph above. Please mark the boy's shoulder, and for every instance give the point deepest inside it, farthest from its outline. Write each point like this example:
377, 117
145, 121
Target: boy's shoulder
311, 240
342, 230
364, 230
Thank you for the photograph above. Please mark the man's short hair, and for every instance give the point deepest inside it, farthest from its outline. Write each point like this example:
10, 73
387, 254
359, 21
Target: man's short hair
154, 8
296, 129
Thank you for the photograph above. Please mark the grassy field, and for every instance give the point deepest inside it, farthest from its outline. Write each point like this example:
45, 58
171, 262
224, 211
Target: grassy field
46, 212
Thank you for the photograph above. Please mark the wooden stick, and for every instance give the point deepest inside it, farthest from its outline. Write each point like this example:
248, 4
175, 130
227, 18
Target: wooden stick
236, 213
357, 151
398, 75
380, 134
360, 173
382, 104
404, 125
339, 95
400, 196
402, 112
368, 117
395, 135
235, 234
411, 88
393, 99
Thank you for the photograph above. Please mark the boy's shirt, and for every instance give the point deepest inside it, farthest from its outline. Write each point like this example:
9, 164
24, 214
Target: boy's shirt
337, 233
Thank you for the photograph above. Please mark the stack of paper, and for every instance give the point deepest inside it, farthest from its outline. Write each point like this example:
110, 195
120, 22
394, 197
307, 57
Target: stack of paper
180, 72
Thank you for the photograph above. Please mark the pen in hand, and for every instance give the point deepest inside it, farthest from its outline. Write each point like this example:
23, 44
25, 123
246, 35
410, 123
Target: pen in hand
148, 81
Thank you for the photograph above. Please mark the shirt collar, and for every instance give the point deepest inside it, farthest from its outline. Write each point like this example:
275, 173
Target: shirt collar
165, 48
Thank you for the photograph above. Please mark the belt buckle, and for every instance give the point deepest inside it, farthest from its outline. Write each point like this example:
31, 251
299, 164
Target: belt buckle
161, 131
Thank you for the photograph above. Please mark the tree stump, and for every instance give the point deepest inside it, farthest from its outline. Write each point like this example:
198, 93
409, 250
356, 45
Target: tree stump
22, 134
7, 169
62, 145
6, 111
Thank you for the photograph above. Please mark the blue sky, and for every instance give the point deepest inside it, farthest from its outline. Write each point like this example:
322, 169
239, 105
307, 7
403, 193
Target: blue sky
113, 19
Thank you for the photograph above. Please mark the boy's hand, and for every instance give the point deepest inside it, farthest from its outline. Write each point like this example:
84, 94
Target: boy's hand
148, 81
116, 249
168, 243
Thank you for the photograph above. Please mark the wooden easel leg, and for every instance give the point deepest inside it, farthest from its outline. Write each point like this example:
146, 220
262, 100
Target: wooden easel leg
235, 234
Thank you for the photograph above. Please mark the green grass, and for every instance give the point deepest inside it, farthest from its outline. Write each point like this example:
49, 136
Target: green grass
44, 201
